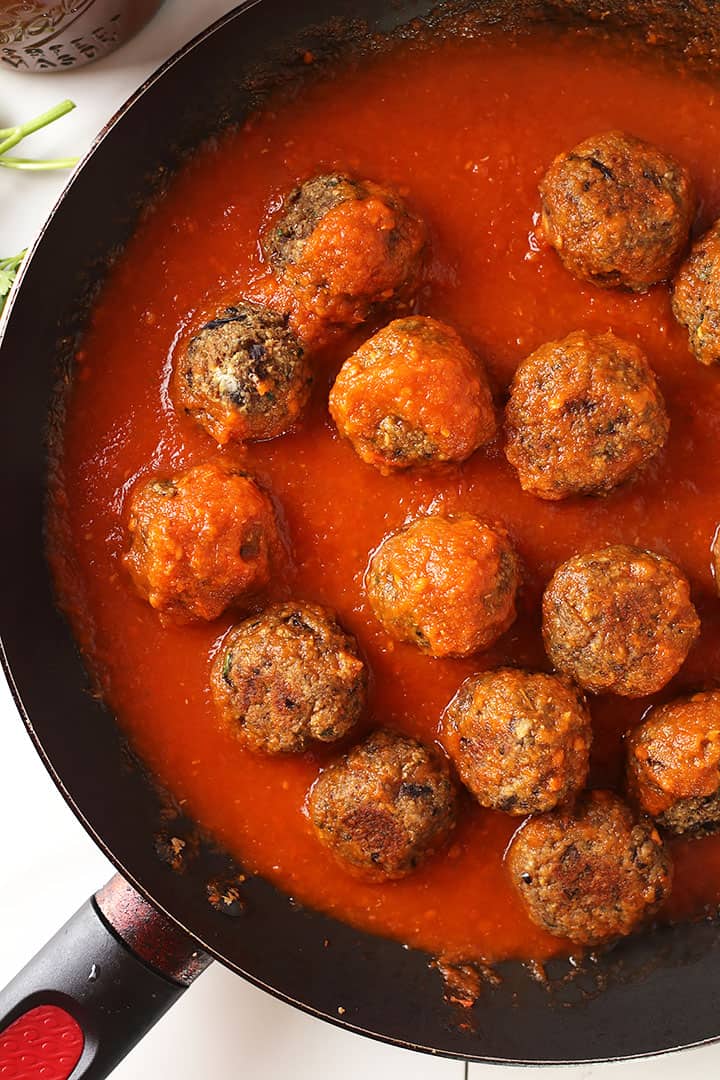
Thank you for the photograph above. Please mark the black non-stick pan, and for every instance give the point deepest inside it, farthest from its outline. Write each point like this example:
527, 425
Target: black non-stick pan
652, 993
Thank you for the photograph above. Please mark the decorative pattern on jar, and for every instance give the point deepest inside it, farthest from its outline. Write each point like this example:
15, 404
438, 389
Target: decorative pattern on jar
52, 35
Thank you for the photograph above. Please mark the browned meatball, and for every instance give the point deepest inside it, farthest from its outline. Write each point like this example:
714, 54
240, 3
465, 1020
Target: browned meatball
520, 741
446, 584
619, 620
590, 873
617, 210
244, 375
347, 248
584, 415
674, 764
287, 677
385, 806
412, 395
199, 541
696, 296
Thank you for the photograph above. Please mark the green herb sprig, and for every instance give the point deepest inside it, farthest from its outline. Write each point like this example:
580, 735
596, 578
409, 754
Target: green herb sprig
8, 270
10, 137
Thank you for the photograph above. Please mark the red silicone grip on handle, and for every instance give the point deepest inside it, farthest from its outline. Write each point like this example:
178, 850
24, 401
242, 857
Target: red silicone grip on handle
44, 1044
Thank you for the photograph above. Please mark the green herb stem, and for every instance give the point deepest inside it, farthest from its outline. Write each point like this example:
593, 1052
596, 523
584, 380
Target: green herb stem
9, 138
31, 165
14, 135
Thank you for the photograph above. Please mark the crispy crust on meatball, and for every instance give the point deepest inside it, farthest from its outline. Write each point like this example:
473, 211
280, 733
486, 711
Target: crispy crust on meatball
584, 415
244, 375
347, 248
385, 807
673, 763
520, 741
412, 395
288, 677
591, 872
446, 584
618, 211
696, 296
619, 620
199, 541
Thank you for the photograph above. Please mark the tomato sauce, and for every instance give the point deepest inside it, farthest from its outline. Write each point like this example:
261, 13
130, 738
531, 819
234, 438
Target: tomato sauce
464, 128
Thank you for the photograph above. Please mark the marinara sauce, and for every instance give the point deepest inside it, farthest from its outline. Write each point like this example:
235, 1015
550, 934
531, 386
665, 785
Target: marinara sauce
464, 128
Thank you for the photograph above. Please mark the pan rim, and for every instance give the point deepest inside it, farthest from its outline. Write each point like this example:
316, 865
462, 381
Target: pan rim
338, 1021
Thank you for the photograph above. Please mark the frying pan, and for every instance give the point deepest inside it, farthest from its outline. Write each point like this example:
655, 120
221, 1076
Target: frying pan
132, 949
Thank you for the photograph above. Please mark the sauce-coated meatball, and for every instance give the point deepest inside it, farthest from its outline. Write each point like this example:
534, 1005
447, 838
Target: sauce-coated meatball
520, 741
619, 620
385, 806
412, 395
287, 677
446, 584
347, 248
244, 375
199, 541
617, 210
584, 415
696, 296
591, 872
674, 764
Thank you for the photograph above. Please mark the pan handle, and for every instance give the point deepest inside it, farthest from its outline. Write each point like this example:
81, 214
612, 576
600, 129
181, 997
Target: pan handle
95, 989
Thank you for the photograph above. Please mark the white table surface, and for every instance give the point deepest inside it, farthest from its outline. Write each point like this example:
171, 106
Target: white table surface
48, 866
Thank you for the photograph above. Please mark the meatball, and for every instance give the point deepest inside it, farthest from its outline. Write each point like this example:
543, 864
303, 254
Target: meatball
619, 620
520, 741
673, 762
411, 395
446, 584
244, 375
696, 296
287, 677
385, 806
347, 248
617, 210
590, 873
199, 541
584, 415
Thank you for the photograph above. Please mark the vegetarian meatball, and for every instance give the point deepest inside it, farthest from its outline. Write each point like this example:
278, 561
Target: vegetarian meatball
696, 296
584, 415
619, 620
347, 248
446, 584
617, 210
199, 541
674, 764
520, 741
287, 677
244, 375
385, 806
592, 872
411, 395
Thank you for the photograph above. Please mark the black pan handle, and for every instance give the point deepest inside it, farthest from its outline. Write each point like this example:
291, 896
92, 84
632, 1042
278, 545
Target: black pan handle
96, 988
